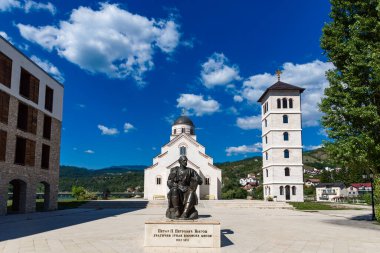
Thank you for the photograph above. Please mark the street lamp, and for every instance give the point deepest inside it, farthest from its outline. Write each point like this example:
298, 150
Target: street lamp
370, 176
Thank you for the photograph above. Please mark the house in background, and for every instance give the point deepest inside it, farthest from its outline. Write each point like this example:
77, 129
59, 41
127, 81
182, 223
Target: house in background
330, 192
362, 188
312, 182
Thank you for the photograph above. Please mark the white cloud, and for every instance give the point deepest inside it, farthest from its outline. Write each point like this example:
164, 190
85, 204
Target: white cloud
216, 71
312, 147
196, 104
310, 76
110, 40
5, 36
48, 67
128, 127
7, 5
244, 149
89, 151
27, 6
238, 98
247, 123
108, 131
31, 5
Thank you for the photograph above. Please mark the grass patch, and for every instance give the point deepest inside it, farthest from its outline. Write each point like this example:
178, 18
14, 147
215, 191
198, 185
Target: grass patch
70, 204
315, 206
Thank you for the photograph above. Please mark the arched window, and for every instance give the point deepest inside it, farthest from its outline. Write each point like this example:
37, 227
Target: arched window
182, 150
191, 131
266, 155
281, 190
266, 139
294, 190
183, 130
286, 153
286, 136
287, 172
175, 131
207, 181
266, 171
158, 180
278, 103
264, 109
265, 122
285, 119
290, 103
268, 190
284, 103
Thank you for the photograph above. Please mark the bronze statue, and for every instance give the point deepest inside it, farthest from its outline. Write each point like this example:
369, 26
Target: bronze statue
183, 183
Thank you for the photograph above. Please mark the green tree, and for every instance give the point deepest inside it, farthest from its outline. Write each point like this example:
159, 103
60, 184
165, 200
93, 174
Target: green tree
351, 105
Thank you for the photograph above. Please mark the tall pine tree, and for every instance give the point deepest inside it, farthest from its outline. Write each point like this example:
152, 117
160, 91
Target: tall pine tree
351, 105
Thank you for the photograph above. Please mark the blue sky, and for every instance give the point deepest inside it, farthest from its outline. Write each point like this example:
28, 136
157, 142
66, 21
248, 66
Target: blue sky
130, 67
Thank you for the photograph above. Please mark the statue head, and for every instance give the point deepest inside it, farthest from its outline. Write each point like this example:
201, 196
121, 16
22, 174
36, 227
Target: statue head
182, 160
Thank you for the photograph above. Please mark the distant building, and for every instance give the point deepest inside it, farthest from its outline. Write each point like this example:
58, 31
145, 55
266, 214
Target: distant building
282, 142
330, 192
312, 182
30, 131
249, 182
362, 188
183, 141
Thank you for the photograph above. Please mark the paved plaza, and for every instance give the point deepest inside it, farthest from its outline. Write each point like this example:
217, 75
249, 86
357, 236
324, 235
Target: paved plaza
244, 229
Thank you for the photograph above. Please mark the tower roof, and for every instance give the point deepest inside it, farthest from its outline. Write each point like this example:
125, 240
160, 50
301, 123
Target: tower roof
183, 120
280, 86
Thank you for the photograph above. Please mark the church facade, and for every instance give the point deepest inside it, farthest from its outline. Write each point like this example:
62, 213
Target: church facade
183, 141
282, 142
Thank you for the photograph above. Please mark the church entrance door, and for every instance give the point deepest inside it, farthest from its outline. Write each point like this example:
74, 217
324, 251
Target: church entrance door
287, 192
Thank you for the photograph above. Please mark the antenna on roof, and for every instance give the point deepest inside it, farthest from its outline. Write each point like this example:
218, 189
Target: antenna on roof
278, 73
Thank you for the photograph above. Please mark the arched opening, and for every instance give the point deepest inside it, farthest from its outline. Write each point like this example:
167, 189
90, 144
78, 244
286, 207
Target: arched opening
158, 180
278, 103
17, 196
175, 131
287, 192
286, 136
266, 155
286, 153
287, 172
43, 196
183, 130
207, 180
294, 190
182, 150
290, 103
281, 190
284, 103
265, 122
266, 171
285, 119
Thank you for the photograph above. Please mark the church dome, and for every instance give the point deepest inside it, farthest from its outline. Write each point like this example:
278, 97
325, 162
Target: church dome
184, 120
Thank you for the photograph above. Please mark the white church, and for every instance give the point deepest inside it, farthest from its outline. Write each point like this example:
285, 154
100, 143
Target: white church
282, 142
183, 141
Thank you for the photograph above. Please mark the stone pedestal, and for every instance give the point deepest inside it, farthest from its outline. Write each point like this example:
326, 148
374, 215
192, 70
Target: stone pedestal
201, 233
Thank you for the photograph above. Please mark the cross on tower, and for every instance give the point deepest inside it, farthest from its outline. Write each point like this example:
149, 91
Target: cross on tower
278, 73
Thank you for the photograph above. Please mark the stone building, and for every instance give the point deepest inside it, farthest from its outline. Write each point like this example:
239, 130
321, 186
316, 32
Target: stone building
183, 141
30, 132
282, 142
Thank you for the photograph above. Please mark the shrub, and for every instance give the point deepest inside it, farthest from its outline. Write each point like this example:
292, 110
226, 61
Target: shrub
237, 193
80, 193
269, 198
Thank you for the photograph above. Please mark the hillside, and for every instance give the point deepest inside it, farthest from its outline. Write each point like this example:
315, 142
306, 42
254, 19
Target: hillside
120, 178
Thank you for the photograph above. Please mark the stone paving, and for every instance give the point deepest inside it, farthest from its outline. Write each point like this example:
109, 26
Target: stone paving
243, 230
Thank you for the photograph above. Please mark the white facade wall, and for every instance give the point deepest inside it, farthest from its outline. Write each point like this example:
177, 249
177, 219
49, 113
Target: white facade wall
197, 160
20, 61
274, 145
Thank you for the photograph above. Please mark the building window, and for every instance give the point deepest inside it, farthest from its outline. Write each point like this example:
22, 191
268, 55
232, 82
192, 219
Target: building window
49, 95
286, 153
278, 103
182, 150
266, 172
286, 136
3, 144
294, 190
158, 180
25, 151
290, 103
263, 108
27, 118
207, 181
265, 122
266, 107
45, 157
174, 131
287, 172
284, 103
191, 131
47, 127
29, 86
5, 70
266, 155
4, 107
183, 130
281, 190
266, 139
285, 119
